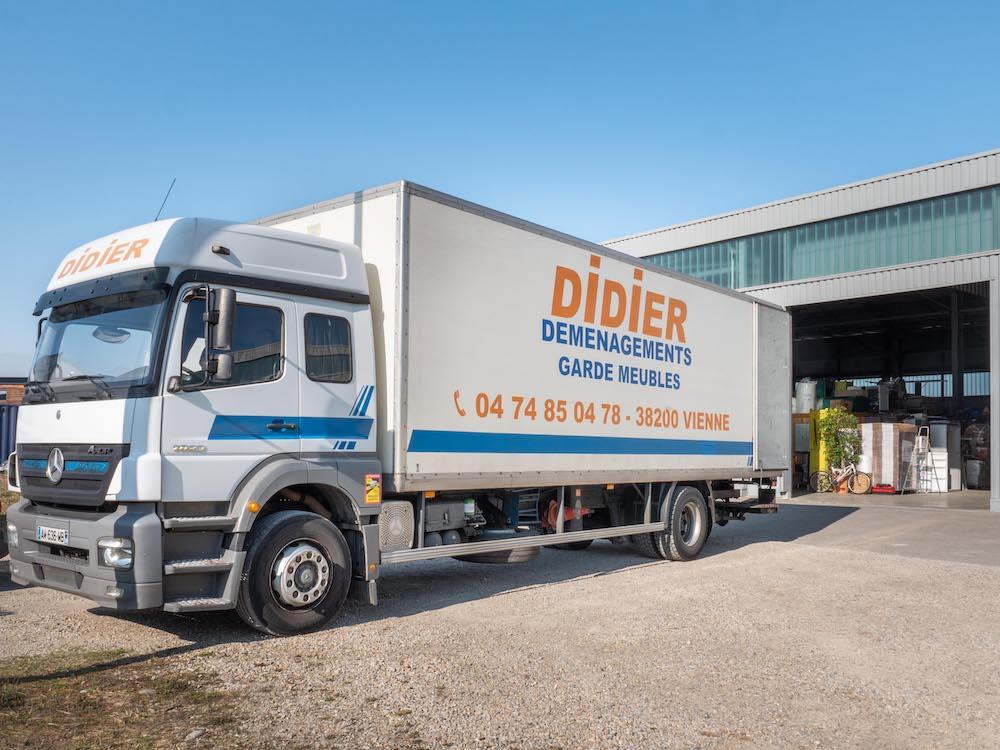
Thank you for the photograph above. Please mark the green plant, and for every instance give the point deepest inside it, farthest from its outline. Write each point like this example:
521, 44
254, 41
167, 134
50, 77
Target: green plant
839, 433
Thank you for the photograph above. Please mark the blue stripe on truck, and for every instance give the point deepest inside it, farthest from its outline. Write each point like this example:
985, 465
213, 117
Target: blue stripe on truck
253, 427
449, 441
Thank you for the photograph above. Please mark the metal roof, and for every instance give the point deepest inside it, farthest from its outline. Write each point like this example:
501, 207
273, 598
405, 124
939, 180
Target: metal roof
952, 176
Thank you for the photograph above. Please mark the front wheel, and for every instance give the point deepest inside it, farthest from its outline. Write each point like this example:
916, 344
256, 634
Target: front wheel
860, 483
296, 574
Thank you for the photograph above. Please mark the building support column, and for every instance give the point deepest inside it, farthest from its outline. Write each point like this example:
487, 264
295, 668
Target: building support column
994, 323
957, 376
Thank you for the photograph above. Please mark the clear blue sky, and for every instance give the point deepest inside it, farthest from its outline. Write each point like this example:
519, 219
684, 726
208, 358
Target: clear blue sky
598, 119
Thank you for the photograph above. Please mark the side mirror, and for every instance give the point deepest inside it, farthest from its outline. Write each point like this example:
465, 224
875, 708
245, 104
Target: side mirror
223, 314
223, 367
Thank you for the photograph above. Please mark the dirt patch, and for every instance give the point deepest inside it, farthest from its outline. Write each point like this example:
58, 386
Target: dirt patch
109, 699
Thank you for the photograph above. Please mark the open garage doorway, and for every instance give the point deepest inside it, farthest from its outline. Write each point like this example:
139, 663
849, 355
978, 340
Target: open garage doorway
902, 362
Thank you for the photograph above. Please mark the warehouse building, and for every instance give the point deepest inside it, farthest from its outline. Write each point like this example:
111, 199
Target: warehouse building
893, 280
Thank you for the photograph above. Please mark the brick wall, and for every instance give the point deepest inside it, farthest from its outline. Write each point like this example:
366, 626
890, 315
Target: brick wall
15, 392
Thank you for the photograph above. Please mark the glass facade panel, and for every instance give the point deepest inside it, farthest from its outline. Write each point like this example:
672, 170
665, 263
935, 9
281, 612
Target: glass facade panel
934, 228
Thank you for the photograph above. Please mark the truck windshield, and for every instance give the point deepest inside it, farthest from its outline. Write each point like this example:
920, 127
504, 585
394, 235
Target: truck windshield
97, 348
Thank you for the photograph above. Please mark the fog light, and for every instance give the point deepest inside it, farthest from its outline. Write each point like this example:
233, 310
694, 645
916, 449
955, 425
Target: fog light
115, 552
12, 536
114, 592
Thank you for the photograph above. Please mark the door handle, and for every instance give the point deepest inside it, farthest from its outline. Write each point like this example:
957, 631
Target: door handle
281, 426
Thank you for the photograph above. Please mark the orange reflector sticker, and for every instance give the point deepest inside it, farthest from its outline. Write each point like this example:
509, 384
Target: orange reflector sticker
373, 489
253, 507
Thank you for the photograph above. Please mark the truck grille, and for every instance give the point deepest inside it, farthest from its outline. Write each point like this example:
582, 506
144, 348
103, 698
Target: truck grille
87, 470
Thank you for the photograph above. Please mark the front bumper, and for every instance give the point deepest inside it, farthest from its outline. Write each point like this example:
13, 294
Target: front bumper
75, 568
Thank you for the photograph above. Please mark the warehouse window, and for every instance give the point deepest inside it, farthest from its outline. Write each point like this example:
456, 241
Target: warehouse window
937, 385
940, 227
328, 349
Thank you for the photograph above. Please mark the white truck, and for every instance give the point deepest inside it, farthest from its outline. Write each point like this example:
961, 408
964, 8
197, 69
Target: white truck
262, 416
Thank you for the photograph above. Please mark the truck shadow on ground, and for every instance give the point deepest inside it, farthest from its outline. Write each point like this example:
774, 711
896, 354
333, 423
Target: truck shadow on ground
415, 588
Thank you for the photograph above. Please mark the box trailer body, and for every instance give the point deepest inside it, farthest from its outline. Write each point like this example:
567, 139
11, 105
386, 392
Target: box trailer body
262, 416
481, 317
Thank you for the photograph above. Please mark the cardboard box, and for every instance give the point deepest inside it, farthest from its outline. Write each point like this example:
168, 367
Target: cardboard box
886, 449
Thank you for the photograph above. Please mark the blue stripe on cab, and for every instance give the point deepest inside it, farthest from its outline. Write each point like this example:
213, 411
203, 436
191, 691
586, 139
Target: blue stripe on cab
87, 467
253, 427
77, 467
368, 398
448, 441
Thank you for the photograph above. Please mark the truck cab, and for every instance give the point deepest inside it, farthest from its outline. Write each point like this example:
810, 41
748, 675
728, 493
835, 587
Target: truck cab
191, 378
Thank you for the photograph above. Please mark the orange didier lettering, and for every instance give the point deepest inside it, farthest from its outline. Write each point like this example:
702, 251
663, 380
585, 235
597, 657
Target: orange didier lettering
652, 313
614, 293
677, 312
566, 277
68, 267
633, 307
647, 312
87, 261
593, 282
116, 252
135, 251
119, 253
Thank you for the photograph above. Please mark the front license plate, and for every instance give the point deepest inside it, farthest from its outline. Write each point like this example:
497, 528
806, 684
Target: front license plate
52, 536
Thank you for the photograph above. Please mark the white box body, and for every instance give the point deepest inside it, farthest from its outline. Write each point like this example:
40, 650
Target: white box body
464, 306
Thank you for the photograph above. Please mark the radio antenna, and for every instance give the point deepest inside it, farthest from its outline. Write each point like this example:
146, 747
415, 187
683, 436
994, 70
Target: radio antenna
165, 199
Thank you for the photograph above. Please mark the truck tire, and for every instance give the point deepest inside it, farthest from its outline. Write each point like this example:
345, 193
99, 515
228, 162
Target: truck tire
296, 574
646, 545
687, 523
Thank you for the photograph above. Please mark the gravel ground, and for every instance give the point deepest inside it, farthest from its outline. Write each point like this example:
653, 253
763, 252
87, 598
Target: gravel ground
844, 627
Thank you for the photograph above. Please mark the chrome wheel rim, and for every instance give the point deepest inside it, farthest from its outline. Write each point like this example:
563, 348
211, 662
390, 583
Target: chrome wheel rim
300, 574
690, 524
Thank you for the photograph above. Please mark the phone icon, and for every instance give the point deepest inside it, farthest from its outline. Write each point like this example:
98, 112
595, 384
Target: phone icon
458, 406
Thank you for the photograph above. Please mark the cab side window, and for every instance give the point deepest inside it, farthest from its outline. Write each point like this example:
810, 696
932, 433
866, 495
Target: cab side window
257, 337
328, 349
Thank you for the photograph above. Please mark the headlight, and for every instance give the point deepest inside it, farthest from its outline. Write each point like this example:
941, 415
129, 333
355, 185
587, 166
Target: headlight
115, 552
12, 536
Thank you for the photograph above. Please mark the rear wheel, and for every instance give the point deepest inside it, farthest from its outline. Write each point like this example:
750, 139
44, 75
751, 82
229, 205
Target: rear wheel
687, 523
821, 481
296, 574
860, 483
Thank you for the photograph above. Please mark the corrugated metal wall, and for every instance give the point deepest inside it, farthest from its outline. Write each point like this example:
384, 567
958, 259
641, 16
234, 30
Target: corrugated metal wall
956, 175
8, 428
936, 274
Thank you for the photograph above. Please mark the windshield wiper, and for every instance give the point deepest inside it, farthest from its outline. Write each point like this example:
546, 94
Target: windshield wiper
42, 388
97, 380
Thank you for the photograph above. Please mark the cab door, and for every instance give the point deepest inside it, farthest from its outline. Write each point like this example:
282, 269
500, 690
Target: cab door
337, 396
214, 434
